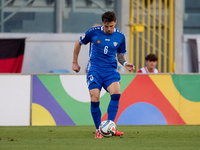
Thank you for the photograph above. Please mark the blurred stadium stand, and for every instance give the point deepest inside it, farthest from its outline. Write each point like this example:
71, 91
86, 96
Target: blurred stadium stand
38, 16
192, 17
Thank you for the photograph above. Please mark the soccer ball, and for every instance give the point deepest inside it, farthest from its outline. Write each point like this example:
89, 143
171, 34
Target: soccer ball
107, 128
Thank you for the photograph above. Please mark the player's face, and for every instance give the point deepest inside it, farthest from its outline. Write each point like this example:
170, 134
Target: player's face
151, 64
109, 27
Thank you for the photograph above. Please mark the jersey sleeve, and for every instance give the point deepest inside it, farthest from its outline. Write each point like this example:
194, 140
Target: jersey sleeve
86, 38
122, 48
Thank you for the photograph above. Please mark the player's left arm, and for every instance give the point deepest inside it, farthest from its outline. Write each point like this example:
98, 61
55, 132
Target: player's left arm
121, 55
122, 61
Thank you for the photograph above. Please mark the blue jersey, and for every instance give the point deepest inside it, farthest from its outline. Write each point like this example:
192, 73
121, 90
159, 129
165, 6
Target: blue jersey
103, 48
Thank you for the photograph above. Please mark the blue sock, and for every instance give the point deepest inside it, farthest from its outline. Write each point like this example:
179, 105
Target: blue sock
96, 113
113, 106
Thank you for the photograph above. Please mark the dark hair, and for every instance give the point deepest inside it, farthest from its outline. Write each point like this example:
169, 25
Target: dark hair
108, 16
151, 57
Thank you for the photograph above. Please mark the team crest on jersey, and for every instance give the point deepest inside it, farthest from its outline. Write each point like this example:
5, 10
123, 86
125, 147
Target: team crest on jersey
98, 41
115, 43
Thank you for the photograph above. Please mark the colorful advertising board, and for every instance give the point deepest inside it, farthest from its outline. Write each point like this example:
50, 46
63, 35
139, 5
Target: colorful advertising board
145, 100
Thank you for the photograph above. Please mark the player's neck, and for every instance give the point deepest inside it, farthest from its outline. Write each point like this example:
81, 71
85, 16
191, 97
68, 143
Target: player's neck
106, 31
150, 70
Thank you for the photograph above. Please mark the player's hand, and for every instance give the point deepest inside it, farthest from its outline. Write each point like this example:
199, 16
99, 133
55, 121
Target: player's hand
129, 67
76, 67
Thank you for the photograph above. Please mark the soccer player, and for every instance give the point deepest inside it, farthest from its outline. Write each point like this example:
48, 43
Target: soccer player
106, 42
151, 62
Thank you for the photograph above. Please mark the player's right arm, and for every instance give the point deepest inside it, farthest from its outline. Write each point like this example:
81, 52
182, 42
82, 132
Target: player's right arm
84, 39
75, 65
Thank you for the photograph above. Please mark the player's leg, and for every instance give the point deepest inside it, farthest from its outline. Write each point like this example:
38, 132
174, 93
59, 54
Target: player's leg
111, 84
114, 91
95, 109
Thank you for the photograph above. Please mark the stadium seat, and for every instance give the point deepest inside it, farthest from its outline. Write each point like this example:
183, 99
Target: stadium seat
60, 71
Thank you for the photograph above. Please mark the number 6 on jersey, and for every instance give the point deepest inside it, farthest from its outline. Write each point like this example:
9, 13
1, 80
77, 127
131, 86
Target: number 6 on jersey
105, 49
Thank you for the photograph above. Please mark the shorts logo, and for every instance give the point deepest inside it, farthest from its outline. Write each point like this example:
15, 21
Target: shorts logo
98, 41
115, 43
91, 78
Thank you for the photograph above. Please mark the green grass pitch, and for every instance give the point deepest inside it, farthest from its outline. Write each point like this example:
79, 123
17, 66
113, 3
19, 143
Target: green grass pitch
167, 137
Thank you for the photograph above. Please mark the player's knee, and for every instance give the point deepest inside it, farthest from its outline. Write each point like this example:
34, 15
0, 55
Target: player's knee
94, 98
116, 92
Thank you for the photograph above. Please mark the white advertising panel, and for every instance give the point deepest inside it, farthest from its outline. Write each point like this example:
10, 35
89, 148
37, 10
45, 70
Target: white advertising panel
15, 100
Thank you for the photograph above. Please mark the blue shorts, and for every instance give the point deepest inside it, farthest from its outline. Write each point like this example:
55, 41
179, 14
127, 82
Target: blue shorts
102, 79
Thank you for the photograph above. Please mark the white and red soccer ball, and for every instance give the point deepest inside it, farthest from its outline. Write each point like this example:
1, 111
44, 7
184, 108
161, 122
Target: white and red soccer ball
107, 128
